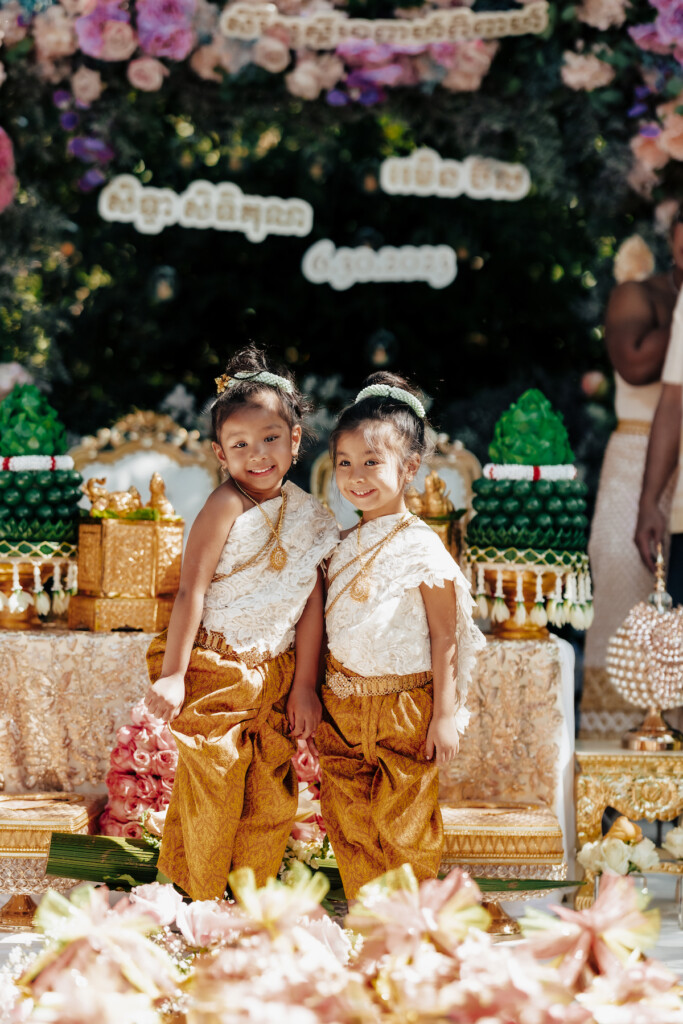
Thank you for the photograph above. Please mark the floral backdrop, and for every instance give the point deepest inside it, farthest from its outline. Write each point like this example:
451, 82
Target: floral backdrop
108, 318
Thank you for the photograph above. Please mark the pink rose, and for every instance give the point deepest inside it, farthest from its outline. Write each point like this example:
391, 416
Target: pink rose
207, 922
649, 153
585, 71
139, 715
90, 27
144, 738
602, 14
147, 787
142, 760
119, 41
642, 179
271, 54
132, 830
87, 86
304, 80
160, 902
121, 784
330, 70
166, 763
165, 27
165, 739
472, 63
305, 831
121, 759
111, 826
165, 786
146, 74
161, 801
53, 34
634, 260
306, 763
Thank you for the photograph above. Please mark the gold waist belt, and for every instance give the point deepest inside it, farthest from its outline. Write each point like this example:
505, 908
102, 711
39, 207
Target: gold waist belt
641, 427
345, 683
212, 641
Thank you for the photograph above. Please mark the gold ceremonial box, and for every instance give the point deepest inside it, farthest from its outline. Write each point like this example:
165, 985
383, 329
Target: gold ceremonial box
27, 821
128, 574
498, 841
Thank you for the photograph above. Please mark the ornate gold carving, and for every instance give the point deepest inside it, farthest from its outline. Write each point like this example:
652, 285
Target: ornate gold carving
509, 834
128, 558
510, 752
103, 500
69, 694
104, 614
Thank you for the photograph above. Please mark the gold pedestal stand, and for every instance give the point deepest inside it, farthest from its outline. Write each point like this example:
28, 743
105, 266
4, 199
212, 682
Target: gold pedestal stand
17, 914
502, 924
654, 734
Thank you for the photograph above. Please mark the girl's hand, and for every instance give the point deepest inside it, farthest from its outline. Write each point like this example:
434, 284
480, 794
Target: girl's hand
304, 710
166, 697
443, 740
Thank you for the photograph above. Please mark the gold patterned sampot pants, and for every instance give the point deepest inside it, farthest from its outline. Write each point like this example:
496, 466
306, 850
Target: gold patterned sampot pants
379, 794
235, 793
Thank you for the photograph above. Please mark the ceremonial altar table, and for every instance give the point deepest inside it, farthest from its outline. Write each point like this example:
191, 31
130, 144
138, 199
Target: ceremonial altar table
519, 746
63, 696
637, 783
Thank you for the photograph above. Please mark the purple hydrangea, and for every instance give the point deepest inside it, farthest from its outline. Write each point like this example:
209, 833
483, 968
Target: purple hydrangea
165, 27
90, 27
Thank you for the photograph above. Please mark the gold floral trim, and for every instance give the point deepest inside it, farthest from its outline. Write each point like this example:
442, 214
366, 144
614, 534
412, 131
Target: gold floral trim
209, 640
345, 683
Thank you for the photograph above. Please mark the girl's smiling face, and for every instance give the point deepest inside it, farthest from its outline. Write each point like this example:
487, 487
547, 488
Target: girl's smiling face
371, 478
257, 446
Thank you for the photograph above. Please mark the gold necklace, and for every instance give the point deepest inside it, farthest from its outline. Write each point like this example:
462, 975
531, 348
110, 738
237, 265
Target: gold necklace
278, 556
359, 585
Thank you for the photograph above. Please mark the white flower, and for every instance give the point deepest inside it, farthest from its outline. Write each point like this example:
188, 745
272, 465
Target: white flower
19, 601
590, 857
644, 855
330, 935
615, 856
673, 843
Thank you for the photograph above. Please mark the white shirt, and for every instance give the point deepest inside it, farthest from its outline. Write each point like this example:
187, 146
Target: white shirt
672, 373
257, 608
388, 634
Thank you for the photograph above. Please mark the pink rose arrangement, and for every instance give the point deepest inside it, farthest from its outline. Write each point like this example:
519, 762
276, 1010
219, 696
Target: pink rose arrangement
8, 182
140, 779
105, 32
165, 27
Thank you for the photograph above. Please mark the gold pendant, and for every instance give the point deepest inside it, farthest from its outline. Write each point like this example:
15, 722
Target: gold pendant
278, 558
360, 589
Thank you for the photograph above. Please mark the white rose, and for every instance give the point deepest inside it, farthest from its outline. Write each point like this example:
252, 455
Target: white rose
615, 856
644, 855
673, 843
590, 857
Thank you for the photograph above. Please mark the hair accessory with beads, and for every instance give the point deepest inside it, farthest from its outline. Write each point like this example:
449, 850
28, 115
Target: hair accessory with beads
387, 391
272, 380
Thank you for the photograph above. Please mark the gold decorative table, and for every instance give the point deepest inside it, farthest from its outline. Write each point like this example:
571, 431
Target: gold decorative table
639, 784
63, 696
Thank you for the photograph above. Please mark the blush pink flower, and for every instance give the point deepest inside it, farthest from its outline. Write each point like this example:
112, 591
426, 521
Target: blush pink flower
271, 54
120, 784
642, 179
121, 759
165, 787
649, 152
159, 902
11, 27
119, 41
205, 923
87, 86
585, 71
304, 81
306, 763
602, 14
142, 760
91, 28
139, 715
147, 74
54, 34
634, 260
670, 139
471, 65
165, 763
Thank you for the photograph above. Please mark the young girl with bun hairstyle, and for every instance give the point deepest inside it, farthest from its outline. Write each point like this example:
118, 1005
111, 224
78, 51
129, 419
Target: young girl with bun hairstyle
402, 645
236, 672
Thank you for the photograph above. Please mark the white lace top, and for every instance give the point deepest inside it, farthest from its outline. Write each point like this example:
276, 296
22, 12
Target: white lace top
257, 609
388, 634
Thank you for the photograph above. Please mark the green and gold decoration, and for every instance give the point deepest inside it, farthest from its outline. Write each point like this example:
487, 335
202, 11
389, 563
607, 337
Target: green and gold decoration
39, 494
527, 542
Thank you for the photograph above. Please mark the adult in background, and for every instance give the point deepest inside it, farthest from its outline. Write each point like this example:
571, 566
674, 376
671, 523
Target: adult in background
637, 327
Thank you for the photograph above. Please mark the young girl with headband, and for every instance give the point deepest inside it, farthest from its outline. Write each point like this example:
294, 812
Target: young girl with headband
402, 645
236, 672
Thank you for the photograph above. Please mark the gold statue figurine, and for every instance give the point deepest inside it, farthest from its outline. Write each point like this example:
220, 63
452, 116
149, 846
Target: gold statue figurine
158, 499
121, 502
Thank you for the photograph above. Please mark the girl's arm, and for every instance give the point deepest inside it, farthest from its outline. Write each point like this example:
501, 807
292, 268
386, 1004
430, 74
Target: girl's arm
204, 545
304, 709
442, 736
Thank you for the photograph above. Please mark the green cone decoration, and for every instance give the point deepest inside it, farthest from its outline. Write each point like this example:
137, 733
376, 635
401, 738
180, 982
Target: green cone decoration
29, 425
531, 433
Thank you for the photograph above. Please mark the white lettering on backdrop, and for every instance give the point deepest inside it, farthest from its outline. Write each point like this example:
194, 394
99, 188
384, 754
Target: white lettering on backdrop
425, 173
341, 268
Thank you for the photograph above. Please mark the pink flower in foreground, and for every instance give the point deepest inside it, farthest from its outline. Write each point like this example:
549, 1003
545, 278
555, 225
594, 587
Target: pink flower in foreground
395, 914
595, 941
87, 86
147, 74
111, 826
8, 183
271, 54
159, 902
208, 922
585, 71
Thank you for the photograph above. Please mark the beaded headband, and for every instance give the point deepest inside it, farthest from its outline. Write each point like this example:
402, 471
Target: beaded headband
399, 394
272, 380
